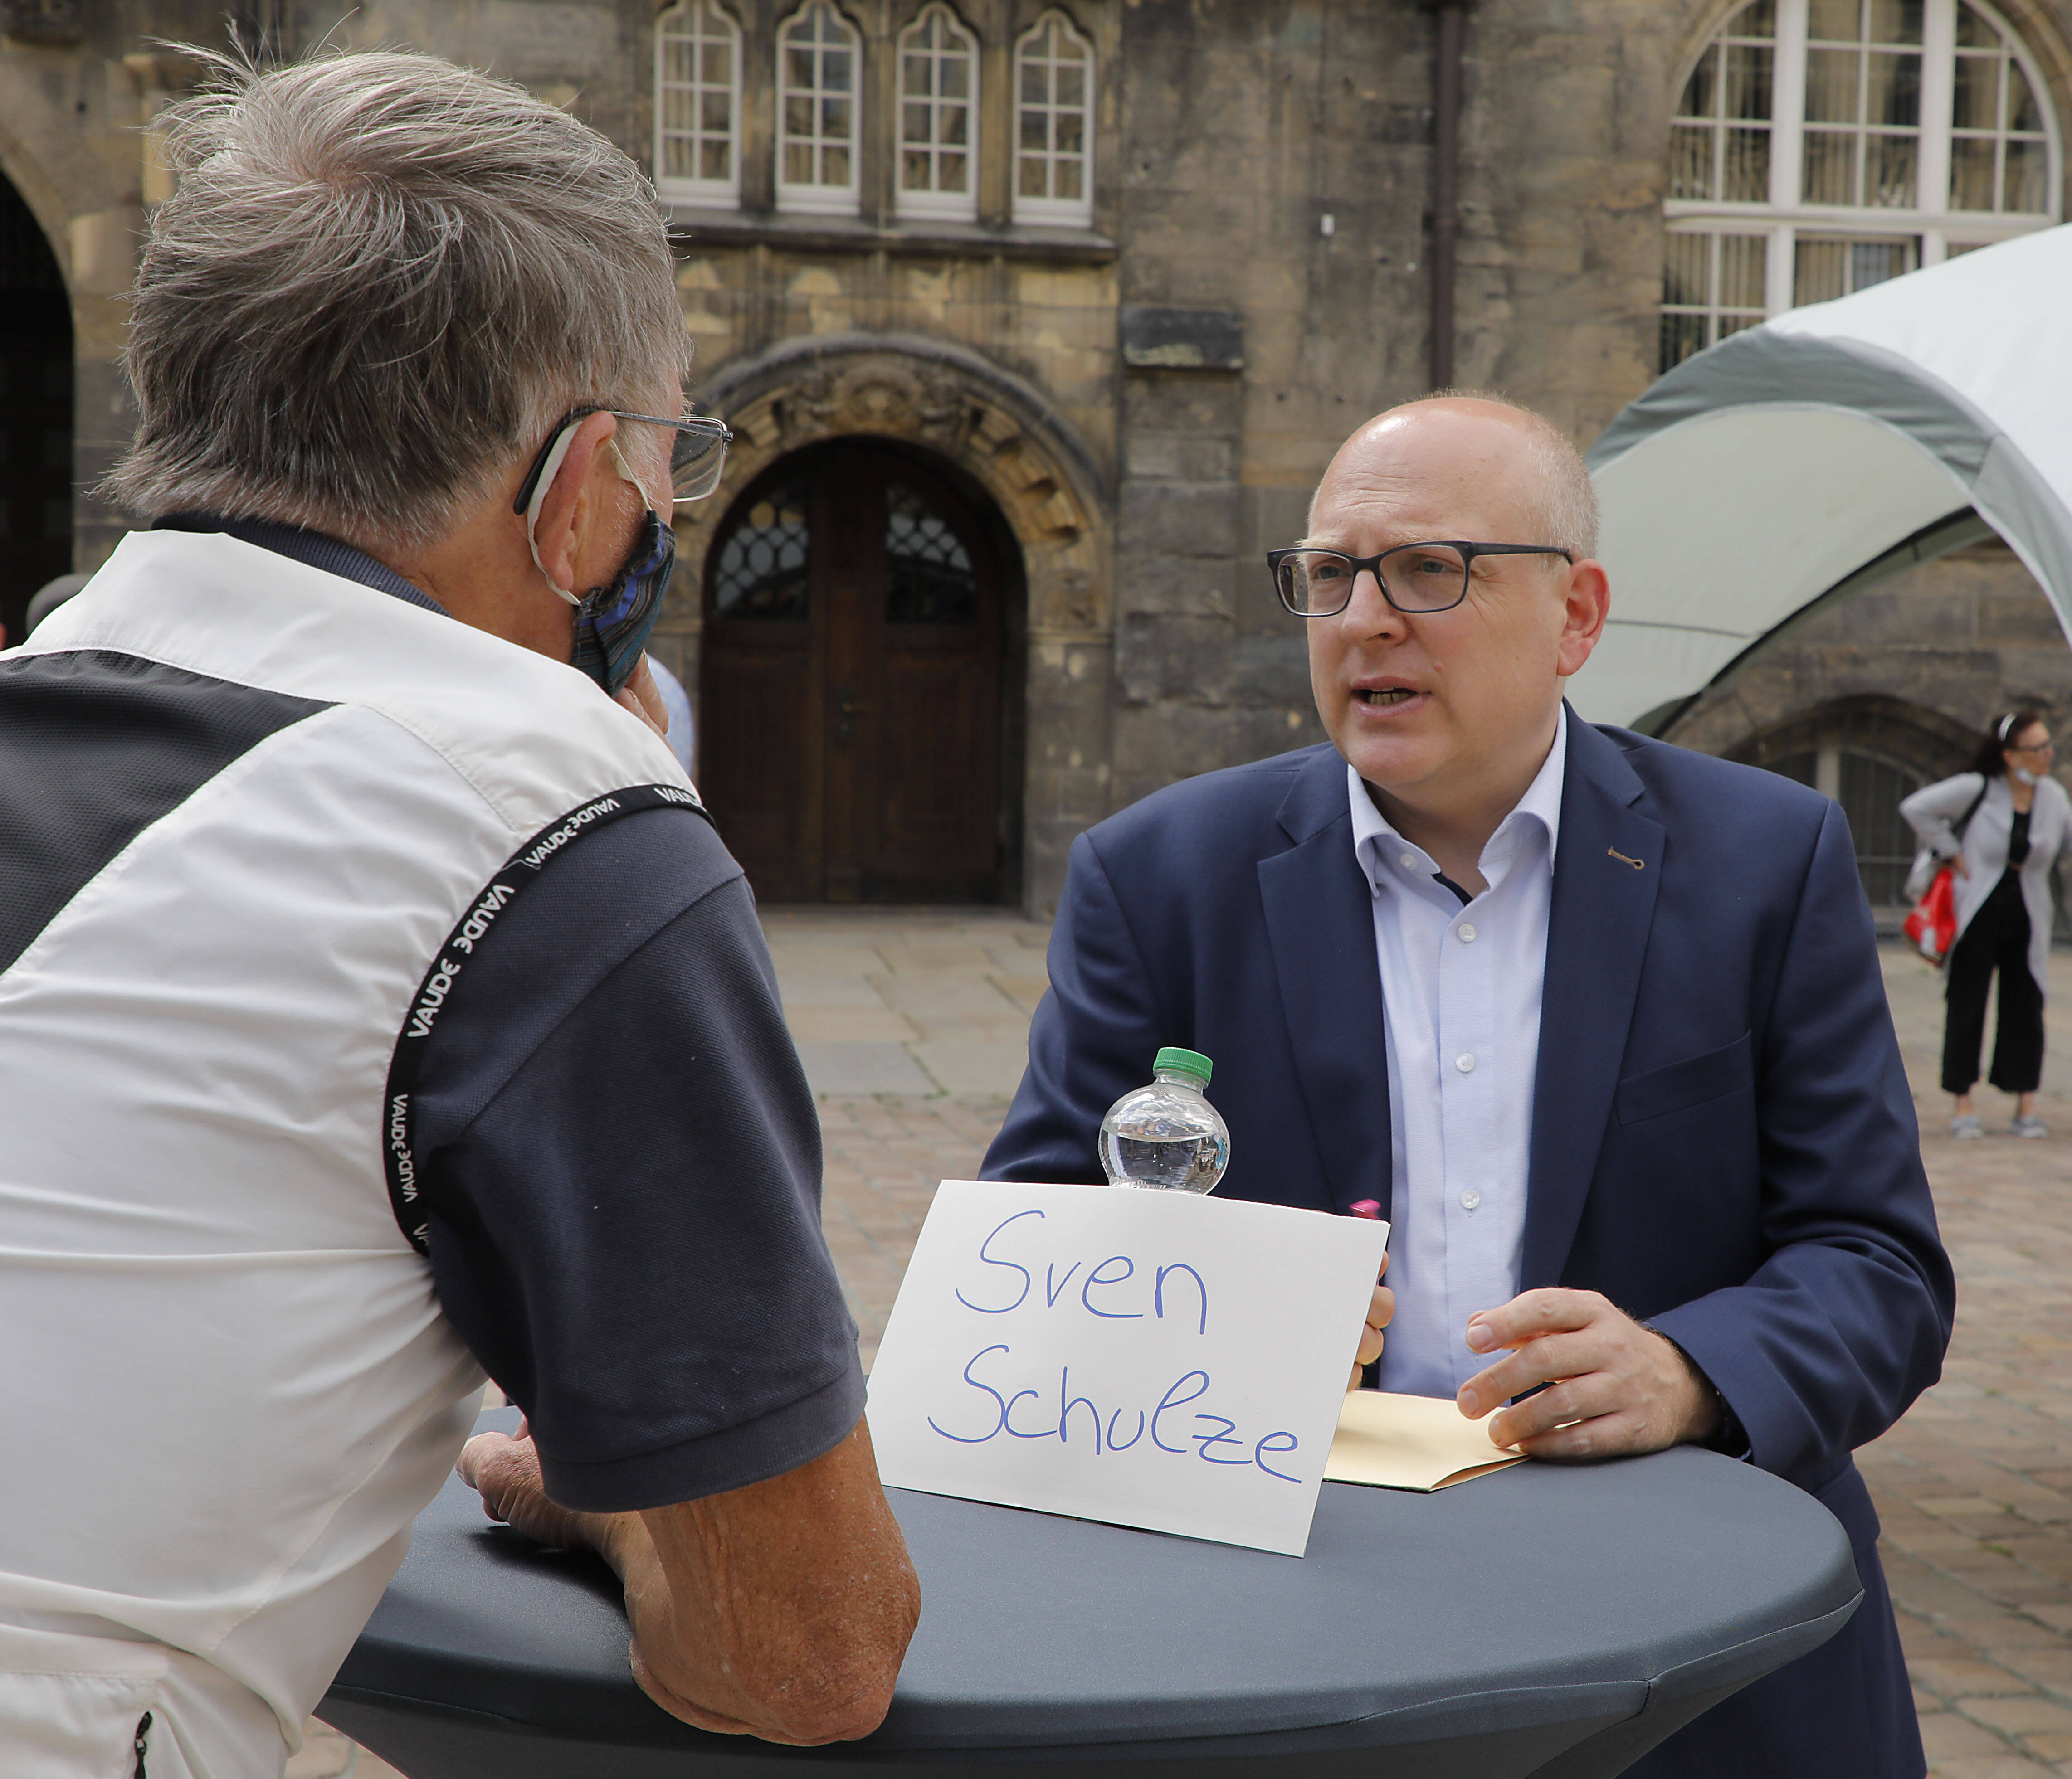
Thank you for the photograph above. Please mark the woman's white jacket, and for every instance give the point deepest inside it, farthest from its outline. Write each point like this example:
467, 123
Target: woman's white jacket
1933, 813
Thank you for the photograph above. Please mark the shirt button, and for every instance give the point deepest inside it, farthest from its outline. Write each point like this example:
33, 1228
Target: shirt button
1467, 933
1465, 1062
1470, 1199
1408, 862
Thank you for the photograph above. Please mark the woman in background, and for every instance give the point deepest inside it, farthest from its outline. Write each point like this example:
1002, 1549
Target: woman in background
2020, 819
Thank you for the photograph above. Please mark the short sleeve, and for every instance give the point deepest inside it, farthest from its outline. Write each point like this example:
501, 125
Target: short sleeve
622, 1167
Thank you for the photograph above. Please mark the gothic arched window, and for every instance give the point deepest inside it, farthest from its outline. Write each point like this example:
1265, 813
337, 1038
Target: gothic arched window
938, 152
698, 104
1819, 146
819, 66
1054, 125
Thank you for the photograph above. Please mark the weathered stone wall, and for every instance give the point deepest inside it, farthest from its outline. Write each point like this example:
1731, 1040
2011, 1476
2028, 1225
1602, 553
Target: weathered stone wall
1264, 164
1968, 638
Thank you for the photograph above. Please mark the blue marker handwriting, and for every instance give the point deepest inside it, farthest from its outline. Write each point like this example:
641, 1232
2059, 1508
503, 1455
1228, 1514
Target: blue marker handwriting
1117, 1287
1167, 1426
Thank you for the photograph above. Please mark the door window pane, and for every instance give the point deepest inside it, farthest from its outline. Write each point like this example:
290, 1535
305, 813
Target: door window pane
929, 578
762, 568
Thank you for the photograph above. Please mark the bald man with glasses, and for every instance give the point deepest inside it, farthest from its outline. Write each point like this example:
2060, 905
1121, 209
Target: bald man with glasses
1599, 1022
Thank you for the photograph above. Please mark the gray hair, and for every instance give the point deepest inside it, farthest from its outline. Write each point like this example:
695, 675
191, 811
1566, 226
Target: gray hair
381, 280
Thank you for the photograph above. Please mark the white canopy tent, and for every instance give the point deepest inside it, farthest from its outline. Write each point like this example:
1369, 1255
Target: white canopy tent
1796, 463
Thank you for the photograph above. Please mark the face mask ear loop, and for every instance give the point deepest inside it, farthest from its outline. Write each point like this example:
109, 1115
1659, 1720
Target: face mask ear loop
633, 481
547, 471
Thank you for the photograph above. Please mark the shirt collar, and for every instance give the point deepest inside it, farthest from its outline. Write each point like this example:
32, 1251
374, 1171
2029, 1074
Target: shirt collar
312, 548
1374, 837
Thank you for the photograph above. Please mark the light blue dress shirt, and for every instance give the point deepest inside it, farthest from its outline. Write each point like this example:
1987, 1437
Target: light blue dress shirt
1461, 993
677, 702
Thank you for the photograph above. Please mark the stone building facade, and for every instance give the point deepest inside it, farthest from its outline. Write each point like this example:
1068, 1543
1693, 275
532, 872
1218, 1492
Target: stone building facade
1037, 321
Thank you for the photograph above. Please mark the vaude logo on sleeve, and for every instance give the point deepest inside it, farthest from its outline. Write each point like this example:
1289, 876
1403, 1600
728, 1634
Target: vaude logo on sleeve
547, 844
402, 1165
431, 997
397, 1152
478, 918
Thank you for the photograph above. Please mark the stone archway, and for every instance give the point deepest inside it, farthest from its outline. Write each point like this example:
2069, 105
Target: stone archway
999, 431
92, 216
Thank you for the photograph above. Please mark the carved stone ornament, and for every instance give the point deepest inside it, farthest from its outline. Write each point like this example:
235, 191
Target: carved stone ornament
49, 23
879, 397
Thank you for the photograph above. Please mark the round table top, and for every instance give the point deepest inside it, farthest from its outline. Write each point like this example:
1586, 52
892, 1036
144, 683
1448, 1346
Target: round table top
1537, 1592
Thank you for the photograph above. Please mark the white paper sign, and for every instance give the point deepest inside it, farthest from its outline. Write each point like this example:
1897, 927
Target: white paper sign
1150, 1359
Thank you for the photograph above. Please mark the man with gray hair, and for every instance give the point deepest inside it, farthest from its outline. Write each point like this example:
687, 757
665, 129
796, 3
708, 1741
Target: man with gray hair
377, 1006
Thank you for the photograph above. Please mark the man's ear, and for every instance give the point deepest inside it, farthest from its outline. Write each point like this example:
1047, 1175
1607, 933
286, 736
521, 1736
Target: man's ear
1586, 603
574, 500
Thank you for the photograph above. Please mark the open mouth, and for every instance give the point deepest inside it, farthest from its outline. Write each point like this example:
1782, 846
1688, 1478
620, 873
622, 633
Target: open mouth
1383, 697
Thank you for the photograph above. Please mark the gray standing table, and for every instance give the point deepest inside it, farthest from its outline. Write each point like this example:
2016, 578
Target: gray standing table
1546, 1621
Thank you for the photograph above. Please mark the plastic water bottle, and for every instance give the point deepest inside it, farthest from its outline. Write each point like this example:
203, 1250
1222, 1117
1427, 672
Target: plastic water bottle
1167, 1135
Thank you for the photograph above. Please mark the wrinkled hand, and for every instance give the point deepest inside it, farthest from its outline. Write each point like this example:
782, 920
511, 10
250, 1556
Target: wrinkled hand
1380, 1309
643, 698
505, 1472
1614, 1388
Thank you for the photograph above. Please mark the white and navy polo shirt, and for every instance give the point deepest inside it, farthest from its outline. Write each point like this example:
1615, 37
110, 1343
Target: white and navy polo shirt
376, 1005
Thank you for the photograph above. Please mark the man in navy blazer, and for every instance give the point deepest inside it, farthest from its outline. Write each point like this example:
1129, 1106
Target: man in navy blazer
1719, 1229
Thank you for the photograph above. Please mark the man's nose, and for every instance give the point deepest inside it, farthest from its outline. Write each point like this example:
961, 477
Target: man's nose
1368, 609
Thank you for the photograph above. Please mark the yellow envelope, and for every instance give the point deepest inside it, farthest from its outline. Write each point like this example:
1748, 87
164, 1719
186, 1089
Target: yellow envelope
1411, 1442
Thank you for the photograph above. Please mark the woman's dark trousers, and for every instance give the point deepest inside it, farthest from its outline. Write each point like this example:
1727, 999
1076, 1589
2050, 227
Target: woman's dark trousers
1996, 939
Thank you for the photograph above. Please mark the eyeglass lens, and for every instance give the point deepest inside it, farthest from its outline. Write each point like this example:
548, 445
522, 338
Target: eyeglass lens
1422, 578
695, 463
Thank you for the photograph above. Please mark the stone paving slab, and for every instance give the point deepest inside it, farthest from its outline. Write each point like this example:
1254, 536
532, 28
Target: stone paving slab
910, 1001
1974, 1486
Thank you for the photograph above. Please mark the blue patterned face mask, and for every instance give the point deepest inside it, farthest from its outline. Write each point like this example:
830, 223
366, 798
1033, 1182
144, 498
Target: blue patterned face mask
612, 623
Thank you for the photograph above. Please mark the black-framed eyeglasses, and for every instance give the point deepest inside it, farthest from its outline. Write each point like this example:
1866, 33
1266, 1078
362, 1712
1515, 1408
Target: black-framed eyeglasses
1413, 577
696, 458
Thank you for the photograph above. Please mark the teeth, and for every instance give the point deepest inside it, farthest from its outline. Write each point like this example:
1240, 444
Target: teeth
1393, 695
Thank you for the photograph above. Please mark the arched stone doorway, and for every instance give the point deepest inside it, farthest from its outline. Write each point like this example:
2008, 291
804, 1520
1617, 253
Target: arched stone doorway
1867, 752
36, 413
1012, 455
859, 727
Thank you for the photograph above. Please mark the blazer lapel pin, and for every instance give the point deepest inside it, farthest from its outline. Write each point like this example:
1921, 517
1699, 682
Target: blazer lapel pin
1638, 865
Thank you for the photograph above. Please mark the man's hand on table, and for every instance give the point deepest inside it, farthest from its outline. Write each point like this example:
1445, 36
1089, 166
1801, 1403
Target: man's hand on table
1614, 1388
782, 1610
1379, 1311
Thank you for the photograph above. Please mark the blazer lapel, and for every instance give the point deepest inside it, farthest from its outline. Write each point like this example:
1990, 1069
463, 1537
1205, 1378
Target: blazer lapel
1607, 868
1320, 923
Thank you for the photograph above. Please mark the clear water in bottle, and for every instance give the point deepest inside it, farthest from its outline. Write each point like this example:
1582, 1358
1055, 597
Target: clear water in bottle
1167, 1135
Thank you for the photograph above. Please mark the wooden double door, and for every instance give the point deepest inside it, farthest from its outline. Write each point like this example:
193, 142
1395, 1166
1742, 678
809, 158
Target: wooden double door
849, 732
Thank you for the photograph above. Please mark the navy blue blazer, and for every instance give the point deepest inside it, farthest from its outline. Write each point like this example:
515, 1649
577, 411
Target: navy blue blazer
1723, 1140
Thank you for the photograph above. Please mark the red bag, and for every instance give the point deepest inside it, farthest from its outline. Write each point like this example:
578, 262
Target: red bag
1933, 924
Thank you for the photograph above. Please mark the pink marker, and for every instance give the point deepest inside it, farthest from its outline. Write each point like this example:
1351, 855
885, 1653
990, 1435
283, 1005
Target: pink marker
1368, 1207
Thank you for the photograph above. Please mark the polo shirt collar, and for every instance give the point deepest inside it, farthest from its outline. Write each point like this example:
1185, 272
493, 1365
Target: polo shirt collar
312, 548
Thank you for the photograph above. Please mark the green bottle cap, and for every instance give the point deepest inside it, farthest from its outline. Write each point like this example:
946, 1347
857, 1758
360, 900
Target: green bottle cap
1186, 1062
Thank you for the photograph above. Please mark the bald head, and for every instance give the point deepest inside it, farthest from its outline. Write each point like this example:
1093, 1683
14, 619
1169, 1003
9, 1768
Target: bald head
1509, 457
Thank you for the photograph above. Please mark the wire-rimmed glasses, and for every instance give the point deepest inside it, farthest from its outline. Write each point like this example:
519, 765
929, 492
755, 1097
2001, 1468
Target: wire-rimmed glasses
1415, 578
696, 456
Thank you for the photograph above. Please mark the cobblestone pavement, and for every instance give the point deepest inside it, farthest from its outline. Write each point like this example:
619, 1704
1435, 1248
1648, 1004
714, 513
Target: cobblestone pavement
911, 1024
